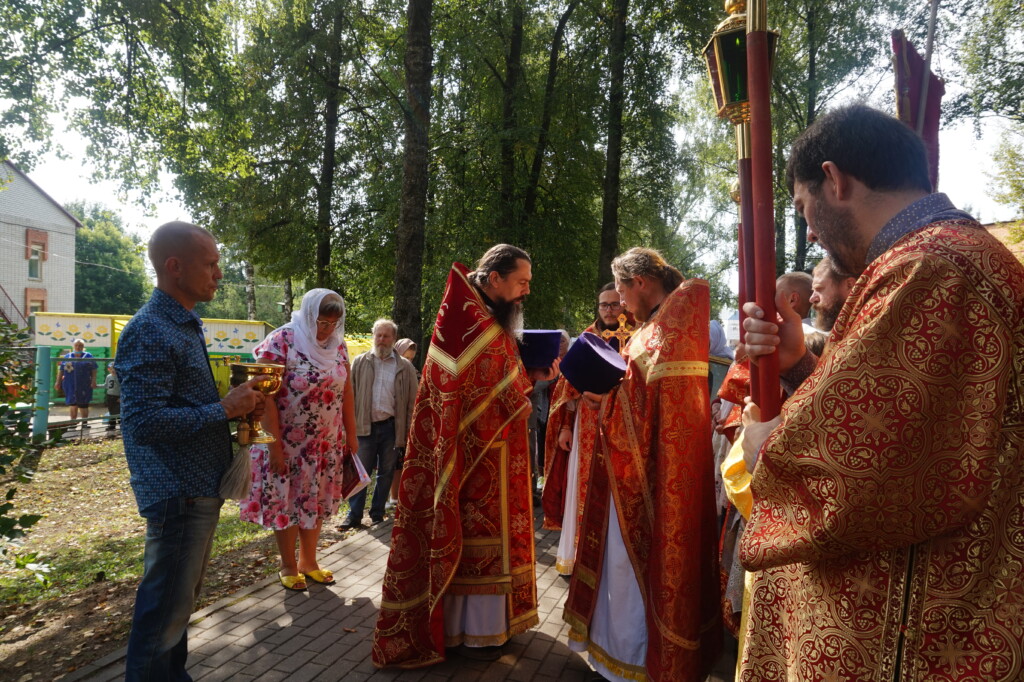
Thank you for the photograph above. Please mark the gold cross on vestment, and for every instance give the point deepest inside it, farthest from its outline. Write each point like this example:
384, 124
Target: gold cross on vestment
622, 333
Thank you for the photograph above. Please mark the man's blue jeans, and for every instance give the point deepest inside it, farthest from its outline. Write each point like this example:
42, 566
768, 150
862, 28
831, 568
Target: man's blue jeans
179, 535
375, 451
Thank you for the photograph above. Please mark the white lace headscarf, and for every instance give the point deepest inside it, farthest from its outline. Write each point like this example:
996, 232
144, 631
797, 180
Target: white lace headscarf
324, 355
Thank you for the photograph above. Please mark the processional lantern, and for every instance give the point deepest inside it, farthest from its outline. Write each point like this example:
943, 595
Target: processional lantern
739, 58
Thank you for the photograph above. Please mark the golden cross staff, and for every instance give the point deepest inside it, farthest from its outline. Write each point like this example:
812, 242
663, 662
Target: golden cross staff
622, 333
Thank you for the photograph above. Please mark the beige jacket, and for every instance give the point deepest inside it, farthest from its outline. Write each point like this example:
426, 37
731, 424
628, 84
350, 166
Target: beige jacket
405, 394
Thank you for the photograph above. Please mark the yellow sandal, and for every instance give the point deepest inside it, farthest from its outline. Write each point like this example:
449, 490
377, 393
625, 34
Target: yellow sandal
322, 576
296, 583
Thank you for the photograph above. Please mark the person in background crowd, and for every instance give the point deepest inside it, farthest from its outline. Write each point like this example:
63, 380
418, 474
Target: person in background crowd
407, 349
385, 390
830, 289
77, 379
112, 388
572, 434
796, 287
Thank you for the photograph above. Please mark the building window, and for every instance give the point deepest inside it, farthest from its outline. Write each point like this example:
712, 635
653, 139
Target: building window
35, 301
35, 262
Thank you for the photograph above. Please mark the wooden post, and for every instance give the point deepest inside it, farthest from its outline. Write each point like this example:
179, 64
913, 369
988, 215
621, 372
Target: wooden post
759, 88
746, 238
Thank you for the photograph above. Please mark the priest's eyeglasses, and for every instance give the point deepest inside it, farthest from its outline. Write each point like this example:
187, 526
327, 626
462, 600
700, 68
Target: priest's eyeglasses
609, 306
325, 324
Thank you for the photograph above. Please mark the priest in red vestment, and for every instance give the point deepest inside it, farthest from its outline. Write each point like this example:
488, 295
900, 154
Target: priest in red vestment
644, 596
571, 437
887, 528
461, 568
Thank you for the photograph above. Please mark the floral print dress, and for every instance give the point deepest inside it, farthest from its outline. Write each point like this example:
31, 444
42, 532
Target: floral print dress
312, 437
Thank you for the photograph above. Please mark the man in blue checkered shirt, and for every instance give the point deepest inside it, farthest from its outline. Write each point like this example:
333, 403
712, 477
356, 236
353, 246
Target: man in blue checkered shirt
177, 443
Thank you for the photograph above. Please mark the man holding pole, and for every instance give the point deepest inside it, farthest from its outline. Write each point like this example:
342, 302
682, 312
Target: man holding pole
888, 502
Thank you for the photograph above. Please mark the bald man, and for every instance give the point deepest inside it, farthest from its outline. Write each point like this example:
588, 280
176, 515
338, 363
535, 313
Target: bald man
177, 443
796, 287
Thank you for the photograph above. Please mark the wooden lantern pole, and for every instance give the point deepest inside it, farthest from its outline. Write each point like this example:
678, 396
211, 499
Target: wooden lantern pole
747, 258
762, 209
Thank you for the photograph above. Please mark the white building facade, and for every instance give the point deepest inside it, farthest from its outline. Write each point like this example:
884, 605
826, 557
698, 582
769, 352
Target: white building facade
37, 249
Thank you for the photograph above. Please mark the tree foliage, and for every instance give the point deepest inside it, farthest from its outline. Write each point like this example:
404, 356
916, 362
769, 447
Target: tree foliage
989, 44
1009, 177
283, 121
16, 442
110, 271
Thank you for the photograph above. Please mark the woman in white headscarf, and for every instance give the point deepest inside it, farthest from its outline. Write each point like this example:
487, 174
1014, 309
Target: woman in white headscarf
297, 479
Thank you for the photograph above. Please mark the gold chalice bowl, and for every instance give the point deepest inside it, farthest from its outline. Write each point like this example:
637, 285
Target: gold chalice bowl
271, 381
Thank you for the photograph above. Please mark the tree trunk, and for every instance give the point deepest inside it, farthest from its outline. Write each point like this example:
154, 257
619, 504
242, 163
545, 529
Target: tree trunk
288, 306
613, 160
409, 236
325, 183
250, 291
811, 113
530, 201
510, 215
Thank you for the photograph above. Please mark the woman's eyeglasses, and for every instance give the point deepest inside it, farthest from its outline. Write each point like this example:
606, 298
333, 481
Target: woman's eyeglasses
609, 306
324, 324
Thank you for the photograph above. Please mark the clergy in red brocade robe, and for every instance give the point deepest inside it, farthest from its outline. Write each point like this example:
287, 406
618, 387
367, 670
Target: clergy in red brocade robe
461, 567
887, 528
644, 595
570, 442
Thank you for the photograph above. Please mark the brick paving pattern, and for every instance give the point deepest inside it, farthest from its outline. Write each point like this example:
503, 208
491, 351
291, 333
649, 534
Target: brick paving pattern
265, 632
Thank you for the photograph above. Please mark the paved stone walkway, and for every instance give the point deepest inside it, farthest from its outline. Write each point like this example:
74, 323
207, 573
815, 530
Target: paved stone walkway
265, 632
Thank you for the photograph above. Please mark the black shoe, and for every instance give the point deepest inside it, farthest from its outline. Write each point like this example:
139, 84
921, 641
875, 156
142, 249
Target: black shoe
351, 525
479, 653
375, 521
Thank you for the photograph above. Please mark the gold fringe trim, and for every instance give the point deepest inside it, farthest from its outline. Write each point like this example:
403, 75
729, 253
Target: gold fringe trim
407, 604
550, 525
456, 588
586, 576
615, 666
518, 626
481, 551
565, 567
581, 630
523, 579
418, 663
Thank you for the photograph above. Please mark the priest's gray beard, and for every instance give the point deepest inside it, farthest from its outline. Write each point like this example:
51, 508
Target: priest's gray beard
509, 315
383, 351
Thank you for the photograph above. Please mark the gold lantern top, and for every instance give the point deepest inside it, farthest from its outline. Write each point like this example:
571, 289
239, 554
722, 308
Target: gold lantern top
726, 59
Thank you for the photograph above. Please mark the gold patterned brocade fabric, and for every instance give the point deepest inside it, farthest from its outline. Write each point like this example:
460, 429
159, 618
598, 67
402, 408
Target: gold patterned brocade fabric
887, 529
464, 519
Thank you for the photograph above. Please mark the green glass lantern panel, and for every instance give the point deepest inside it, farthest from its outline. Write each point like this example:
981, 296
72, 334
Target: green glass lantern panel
733, 65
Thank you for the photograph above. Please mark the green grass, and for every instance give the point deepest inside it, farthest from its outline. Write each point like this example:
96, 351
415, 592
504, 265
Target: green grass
91, 531
76, 568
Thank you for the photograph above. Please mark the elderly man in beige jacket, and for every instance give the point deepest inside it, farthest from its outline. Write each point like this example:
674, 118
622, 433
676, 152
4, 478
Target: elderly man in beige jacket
384, 384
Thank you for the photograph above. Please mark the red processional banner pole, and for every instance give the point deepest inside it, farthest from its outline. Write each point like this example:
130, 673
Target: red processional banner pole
747, 258
763, 210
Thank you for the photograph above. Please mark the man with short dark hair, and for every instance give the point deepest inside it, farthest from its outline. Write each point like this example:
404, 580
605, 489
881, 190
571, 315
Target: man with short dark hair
384, 384
572, 433
644, 595
888, 501
461, 569
177, 443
